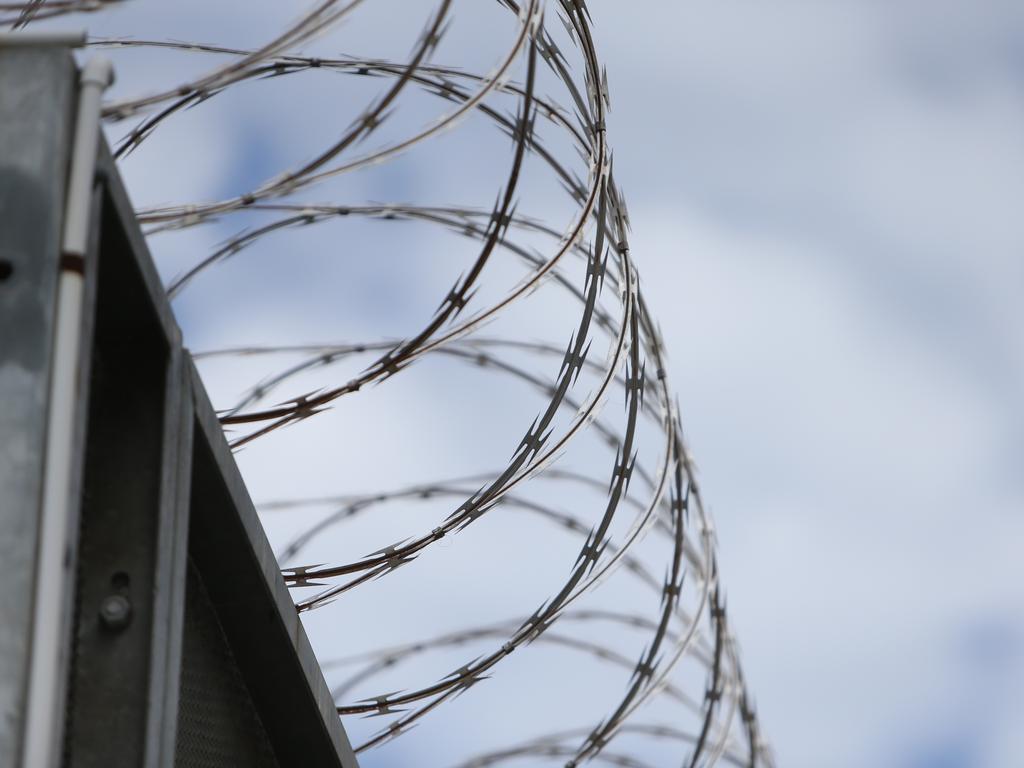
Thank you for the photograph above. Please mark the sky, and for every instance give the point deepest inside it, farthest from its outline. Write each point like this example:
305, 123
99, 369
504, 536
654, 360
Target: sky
824, 201
842, 181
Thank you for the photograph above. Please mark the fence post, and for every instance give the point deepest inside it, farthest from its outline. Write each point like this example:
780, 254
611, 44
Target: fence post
37, 99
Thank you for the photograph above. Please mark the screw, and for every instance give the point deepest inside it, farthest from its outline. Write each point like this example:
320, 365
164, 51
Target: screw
115, 612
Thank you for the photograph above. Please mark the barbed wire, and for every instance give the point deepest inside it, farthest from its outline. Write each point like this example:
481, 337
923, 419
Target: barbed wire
690, 625
20, 14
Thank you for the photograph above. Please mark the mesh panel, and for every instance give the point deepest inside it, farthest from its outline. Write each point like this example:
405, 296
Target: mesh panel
217, 724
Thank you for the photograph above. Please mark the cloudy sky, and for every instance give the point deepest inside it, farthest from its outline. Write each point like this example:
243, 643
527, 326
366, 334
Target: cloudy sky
825, 206
826, 200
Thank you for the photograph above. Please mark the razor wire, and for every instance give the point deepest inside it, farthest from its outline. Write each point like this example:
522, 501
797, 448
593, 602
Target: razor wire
716, 724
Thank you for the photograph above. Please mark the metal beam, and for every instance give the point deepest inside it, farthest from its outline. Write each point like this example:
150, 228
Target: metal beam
37, 98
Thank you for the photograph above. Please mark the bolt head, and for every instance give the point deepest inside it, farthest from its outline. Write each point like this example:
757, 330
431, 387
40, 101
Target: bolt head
115, 612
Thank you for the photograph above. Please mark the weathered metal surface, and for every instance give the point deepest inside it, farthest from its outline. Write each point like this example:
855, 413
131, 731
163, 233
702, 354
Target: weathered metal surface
36, 102
128, 502
166, 529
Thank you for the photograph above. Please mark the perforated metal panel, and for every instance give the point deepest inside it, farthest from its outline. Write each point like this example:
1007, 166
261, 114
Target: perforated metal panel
218, 726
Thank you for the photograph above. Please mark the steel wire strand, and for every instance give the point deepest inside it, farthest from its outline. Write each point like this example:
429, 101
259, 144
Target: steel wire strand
691, 622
